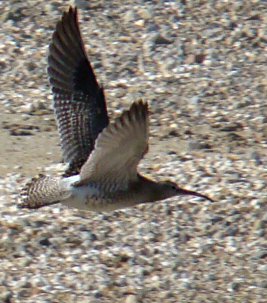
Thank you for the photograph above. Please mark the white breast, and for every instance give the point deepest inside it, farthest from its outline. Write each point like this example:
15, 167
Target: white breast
79, 195
90, 197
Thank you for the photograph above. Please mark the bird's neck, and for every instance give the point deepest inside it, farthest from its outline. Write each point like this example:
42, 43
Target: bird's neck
150, 190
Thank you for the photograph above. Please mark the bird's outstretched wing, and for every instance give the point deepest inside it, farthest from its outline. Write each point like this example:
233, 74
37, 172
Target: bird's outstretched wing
79, 102
118, 150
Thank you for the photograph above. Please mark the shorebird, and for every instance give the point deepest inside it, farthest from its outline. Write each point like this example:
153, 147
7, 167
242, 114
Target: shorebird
102, 157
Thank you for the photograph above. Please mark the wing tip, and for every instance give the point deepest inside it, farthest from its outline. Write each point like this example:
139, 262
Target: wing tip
67, 18
136, 115
139, 109
72, 14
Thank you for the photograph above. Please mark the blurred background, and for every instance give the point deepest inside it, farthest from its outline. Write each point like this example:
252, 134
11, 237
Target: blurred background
201, 65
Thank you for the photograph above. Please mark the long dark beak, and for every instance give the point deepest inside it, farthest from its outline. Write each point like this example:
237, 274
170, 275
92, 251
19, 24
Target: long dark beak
183, 191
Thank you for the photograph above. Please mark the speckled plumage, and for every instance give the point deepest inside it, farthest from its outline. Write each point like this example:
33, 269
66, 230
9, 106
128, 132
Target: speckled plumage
102, 156
79, 102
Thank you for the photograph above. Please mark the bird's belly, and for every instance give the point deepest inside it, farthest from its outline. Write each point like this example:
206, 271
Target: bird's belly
98, 205
86, 198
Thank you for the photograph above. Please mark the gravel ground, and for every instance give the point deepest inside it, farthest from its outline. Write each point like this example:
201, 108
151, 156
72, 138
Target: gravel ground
201, 65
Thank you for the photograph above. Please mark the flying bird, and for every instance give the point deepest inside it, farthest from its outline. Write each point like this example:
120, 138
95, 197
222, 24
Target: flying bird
102, 157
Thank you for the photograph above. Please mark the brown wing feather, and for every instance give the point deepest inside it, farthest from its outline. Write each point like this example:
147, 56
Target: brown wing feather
79, 102
118, 149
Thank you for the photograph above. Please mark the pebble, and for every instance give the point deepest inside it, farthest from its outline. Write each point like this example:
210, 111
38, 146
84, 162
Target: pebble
131, 299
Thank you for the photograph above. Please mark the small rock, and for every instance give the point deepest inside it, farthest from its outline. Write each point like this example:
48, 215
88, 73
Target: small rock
160, 40
235, 286
131, 299
45, 242
5, 295
261, 254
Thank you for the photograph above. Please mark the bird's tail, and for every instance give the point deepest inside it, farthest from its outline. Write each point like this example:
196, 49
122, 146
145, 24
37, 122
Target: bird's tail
41, 191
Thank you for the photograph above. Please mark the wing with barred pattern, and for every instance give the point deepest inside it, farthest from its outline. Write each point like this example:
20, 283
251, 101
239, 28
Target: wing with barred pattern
79, 102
